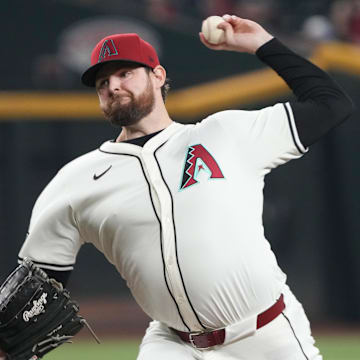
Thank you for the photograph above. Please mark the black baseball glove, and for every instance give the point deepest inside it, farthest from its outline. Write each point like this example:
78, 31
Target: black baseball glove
36, 314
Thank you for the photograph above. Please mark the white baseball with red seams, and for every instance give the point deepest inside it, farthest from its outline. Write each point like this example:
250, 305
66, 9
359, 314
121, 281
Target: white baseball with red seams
211, 32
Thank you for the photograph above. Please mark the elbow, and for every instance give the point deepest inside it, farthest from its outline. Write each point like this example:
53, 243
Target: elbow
350, 108
342, 109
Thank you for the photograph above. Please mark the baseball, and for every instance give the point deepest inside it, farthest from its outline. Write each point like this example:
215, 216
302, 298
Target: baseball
211, 33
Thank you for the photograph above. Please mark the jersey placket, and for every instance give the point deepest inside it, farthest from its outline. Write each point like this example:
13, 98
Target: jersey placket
164, 210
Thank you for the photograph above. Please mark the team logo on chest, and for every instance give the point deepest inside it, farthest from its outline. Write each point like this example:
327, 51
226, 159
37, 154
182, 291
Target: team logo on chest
199, 159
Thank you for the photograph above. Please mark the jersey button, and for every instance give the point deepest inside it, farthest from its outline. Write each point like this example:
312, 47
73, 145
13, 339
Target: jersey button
170, 261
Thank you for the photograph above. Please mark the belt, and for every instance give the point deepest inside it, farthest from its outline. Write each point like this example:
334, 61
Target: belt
207, 339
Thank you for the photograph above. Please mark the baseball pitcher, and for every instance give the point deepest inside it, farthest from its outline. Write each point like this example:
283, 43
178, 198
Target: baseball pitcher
177, 209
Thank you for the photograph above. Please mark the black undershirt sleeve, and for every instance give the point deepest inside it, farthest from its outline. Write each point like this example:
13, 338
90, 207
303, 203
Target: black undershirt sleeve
320, 103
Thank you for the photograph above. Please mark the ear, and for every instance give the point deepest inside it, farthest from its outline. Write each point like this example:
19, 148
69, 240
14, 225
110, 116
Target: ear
159, 75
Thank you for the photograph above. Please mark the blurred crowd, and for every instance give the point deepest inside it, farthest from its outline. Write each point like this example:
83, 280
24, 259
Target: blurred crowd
318, 20
340, 22
301, 25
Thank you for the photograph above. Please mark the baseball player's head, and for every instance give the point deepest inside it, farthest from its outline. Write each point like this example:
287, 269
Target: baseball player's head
128, 77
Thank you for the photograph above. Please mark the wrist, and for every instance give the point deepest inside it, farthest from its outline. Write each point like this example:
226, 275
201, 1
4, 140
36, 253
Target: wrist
269, 47
263, 41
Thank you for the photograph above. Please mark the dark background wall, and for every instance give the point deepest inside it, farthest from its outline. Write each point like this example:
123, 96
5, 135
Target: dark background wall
312, 206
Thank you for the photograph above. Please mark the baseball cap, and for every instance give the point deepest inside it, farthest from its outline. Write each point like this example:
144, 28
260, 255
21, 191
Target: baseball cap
119, 47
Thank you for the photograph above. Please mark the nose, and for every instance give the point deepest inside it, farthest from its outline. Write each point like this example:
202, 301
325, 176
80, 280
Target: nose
114, 83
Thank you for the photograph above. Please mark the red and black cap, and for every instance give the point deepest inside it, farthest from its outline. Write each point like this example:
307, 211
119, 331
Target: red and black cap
119, 47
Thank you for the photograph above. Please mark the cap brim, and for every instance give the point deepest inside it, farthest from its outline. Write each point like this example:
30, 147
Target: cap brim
88, 78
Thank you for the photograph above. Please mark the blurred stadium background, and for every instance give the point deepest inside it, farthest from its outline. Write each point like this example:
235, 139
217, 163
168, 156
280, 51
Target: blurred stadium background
312, 206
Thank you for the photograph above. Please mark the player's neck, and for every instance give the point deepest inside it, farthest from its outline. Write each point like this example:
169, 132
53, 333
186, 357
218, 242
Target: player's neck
157, 120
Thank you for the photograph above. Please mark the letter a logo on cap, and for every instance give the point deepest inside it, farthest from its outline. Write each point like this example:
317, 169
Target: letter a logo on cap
108, 49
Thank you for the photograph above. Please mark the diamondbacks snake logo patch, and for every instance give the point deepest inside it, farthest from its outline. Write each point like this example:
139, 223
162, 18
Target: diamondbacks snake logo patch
199, 159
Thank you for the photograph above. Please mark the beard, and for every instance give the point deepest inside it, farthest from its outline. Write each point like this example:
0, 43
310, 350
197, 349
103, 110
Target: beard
128, 113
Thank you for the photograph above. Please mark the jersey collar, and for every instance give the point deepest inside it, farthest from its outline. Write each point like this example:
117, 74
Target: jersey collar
150, 145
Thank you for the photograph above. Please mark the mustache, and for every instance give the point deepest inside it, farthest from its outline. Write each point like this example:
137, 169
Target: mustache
117, 97
114, 104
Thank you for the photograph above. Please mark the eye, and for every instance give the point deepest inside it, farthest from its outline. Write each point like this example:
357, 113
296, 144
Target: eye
102, 83
125, 74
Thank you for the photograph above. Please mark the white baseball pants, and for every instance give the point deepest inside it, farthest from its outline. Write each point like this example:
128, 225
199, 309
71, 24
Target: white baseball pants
288, 337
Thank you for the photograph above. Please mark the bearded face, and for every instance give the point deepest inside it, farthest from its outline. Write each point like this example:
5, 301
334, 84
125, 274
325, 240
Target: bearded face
127, 109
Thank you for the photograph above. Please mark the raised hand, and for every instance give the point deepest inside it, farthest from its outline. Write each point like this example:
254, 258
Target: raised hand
241, 35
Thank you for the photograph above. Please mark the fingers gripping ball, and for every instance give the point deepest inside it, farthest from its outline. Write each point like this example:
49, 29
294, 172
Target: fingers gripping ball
210, 30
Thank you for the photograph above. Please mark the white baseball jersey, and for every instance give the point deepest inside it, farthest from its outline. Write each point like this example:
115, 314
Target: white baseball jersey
180, 217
